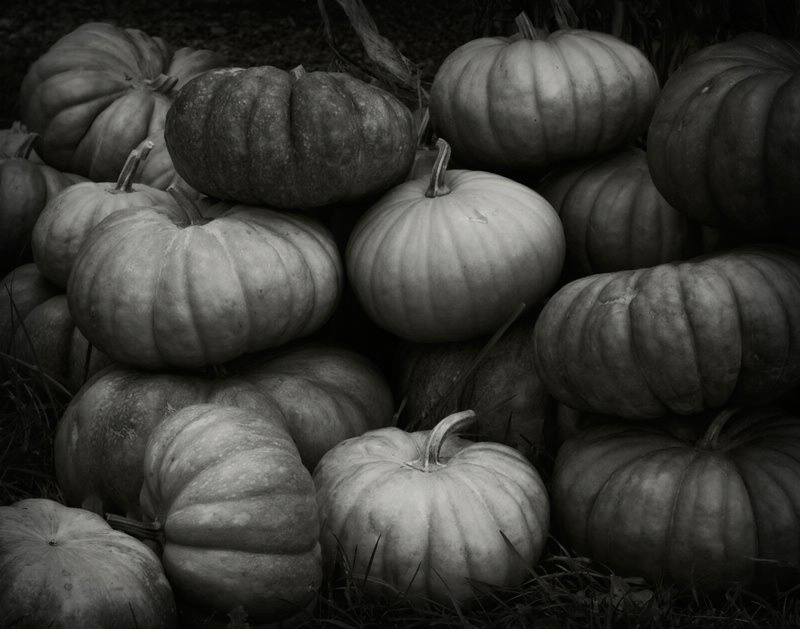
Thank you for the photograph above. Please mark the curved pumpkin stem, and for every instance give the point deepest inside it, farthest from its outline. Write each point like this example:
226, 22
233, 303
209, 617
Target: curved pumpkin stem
189, 207
131, 168
710, 440
140, 530
437, 186
429, 461
163, 83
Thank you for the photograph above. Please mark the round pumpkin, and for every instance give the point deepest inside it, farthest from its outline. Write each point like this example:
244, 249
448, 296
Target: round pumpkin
21, 290
65, 568
155, 287
679, 337
723, 142
326, 393
528, 102
452, 258
67, 218
265, 136
615, 219
236, 512
703, 503
429, 514
99, 91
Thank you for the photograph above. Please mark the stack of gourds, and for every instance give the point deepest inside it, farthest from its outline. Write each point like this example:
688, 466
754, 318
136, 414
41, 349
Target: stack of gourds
650, 290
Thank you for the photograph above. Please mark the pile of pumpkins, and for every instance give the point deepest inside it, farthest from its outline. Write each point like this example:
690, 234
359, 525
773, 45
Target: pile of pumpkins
299, 339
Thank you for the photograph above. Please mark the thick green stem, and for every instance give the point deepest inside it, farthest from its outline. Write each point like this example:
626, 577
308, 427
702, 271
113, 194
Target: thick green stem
140, 530
455, 423
437, 186
189, 207
131, 168
163, 83
710, 440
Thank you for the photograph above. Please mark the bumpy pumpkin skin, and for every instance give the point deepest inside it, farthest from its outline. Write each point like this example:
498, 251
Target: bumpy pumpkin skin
723, 141
675, 338
66, 568
238, 511
155, 289
428, 532
287, 139
326, 394
508, 104
663, 504
99, 91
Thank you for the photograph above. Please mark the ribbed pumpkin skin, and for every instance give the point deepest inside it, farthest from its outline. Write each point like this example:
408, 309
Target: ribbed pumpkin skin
723, 141
678, 337
99, 91
326, 394
238, 511
66, 568
263, 136
457, 266
614, 217
152, 290
515, 103
430, 531
660, 505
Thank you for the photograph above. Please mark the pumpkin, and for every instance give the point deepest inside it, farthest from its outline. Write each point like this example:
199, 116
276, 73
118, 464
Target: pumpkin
236, 512
158, 171
64, 568
710, 503
452, 257
21, 290
520, 103
67, 218
429, 514
25, 188
264, 136
681, 337
99, 91
163, 286
615, 219
723, 141
326, 393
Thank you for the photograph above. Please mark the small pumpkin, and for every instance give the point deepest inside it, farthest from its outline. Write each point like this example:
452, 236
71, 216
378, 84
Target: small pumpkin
100, 90
66, 568
235, 512
523, 103
709, 501
452, 257
288, 139
680, 337
429, 514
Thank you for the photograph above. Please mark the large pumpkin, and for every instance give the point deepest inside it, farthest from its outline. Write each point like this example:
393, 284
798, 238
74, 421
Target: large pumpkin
326, 393
723, 143
678, 337
264, 136
707, 504
156, 287
528, 102
65, 568
99, 91
236, 509
452, 257
431, 515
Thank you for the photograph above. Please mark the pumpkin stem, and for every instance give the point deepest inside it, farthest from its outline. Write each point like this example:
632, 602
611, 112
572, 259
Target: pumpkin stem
429, 461
131, 168
437, 186
163, 83
188, 206
140, 530
526, 27
298, 72
25, 149
710, 439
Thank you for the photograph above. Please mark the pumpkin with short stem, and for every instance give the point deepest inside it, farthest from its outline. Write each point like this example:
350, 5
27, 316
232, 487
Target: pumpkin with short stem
288, 139
680, 337
326, 393
161, 286
429, 514
66, 220
723, 142
521, 103
451, 257
234, 509
704, 502
65, 568
100, 90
